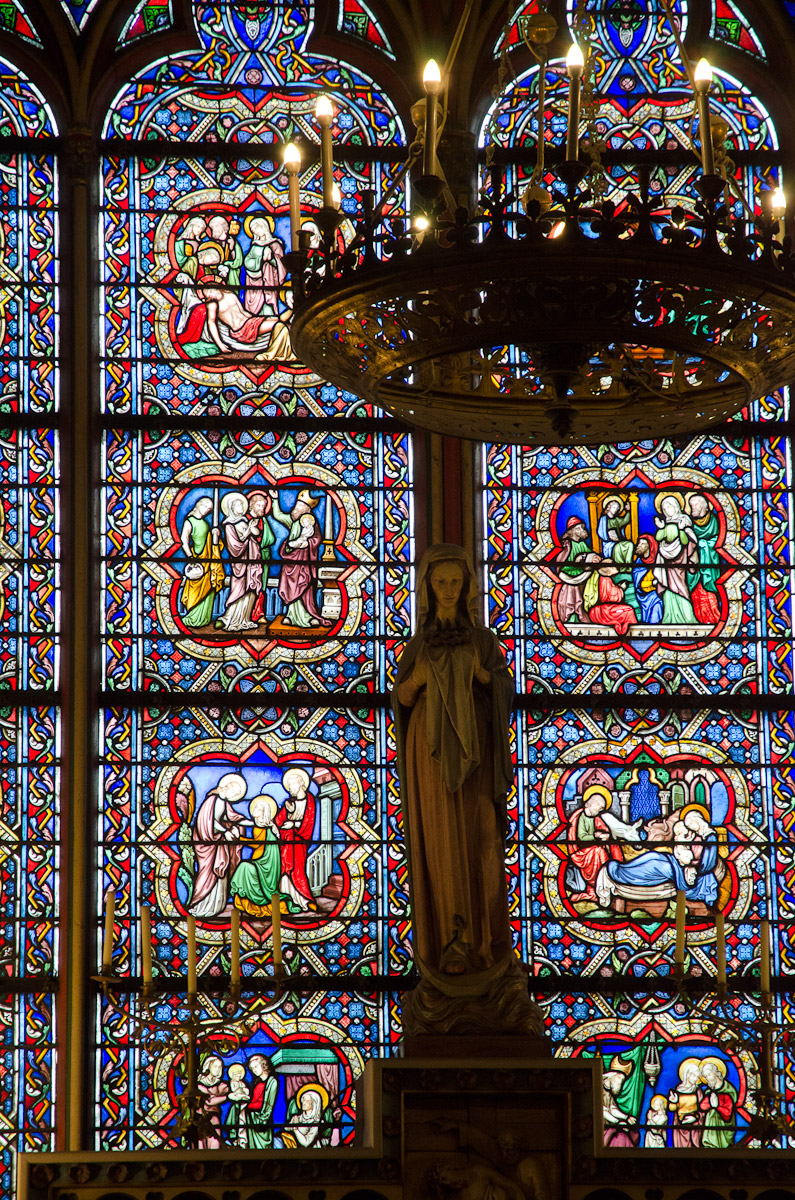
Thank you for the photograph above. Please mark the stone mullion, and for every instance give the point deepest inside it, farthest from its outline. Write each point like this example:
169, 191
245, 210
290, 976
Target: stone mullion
79, 623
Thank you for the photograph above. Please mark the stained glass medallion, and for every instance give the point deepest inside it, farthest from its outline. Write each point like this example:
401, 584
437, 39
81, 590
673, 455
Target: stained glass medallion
641, 755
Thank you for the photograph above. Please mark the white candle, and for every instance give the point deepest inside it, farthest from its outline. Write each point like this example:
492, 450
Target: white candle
324, 115
276, 923
764, 958
432, 83
234, 935
292, 165
680, 929
575, 65
107, 943
146, 945
702, 83
192, 979
720, 938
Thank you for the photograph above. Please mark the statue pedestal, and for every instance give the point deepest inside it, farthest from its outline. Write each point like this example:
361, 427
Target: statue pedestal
478, 1126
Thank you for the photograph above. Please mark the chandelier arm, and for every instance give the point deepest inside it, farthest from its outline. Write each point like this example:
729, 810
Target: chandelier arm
541, 131
455, 45
675, 30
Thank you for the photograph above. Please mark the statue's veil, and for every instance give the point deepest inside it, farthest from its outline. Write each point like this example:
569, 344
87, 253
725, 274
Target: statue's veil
446, 552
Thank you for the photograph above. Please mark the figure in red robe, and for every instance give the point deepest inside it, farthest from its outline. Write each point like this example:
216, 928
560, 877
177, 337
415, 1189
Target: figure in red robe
296, 822
588, 838
610, 607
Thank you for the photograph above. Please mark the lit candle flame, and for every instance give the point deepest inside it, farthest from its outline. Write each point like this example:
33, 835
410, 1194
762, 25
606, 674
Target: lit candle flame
575, 61
432, 77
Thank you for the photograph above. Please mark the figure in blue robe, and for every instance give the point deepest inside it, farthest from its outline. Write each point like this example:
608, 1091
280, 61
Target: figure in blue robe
654, 867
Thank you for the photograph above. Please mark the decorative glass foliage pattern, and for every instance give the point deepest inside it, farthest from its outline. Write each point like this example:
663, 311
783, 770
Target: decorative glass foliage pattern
27, 1082
29, 646
257, 541
730, 26
357, 19
14, 20
149, 16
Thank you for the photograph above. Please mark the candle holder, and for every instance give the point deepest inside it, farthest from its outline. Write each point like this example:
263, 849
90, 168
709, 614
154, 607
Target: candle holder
758, 1037
184, 1037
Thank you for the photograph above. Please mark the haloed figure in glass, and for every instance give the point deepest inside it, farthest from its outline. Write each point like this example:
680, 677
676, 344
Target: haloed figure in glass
452, 702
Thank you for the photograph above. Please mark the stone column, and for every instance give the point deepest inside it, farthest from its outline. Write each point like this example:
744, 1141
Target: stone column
80, 621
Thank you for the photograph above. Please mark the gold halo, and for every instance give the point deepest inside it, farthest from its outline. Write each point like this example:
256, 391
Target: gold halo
210, 245
620, 501
688, 1062
313, 1087
680, 496
699, 808
260, 214
598, 789
718, 1063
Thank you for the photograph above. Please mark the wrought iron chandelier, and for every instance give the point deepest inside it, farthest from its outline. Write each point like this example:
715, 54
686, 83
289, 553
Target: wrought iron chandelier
551, 316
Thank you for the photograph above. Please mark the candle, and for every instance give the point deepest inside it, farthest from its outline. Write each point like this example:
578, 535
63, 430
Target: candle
336, 197
720, 937
680, 929
324, 115
292, 165
764, 958
432, 83
276, 923
146, 945
575, 64
107, 944
234, 935
702, 83
192, 981
778, 203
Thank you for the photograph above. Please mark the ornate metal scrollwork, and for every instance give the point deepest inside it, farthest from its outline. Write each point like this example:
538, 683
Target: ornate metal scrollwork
570, 323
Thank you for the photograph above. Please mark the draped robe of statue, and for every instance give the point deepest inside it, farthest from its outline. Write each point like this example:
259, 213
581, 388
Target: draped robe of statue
455, 773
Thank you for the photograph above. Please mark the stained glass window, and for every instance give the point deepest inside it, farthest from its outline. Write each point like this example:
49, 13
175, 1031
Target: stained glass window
149, 16
730, 26
644, 590
14, 20
257, 542
356, 18
78, 11
29, 648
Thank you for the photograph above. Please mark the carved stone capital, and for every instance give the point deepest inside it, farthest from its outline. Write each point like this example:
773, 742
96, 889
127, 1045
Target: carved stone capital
80, 153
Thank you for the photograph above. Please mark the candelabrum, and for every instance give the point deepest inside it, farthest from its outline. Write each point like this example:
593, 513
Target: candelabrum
186, 1036
758, 1036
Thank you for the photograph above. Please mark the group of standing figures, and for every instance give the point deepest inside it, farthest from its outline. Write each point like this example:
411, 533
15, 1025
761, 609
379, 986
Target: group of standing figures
279, 842
226, 277
240, 1101
226, 577
666, 578
700, 1110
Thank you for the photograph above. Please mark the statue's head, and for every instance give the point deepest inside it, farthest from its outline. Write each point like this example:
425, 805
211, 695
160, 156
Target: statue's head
446, 578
